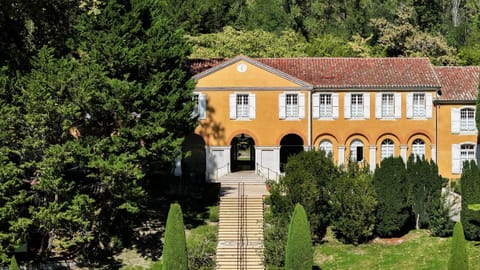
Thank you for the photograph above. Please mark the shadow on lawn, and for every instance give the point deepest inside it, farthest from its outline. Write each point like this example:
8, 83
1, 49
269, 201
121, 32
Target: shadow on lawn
195, 201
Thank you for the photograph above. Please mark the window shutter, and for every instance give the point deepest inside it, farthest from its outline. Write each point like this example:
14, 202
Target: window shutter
316, 105
409, 105
346, 109
233, 106
252, 105
202, 106
398, 105
366, 108
378, 105
428, 105
335, 106
455, 121
281, 106
456, 165
301, 106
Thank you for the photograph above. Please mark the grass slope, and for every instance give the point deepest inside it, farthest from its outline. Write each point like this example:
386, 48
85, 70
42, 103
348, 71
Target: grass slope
417, 251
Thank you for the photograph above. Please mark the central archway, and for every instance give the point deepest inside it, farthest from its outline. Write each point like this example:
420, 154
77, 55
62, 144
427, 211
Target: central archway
242, 153
290, 144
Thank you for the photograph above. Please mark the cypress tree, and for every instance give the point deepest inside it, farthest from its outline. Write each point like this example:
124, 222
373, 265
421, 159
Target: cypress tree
393, 211
175, 246
425, 190
470, 186
299, 253
14, 264
459, 257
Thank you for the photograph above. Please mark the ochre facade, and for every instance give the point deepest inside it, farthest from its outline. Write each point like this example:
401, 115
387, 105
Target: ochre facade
354, 109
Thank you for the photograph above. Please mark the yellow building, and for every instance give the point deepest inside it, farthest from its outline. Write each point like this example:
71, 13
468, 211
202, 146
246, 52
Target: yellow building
254, 113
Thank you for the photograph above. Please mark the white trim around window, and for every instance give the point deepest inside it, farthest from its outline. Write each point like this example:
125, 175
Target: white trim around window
200, 108
291, 106
357, 106
419, 105
388, 105
463, 120
242, 106
325, 106
461, 153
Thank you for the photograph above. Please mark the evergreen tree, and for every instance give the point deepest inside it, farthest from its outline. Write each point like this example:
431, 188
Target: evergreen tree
14, 264
393, 211
175, 246
307, 175
470, 186
353, 202
299, 250
458, 256
83, 134
425, 190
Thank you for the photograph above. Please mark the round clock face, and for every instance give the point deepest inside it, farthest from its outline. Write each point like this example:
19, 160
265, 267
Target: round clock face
241, 67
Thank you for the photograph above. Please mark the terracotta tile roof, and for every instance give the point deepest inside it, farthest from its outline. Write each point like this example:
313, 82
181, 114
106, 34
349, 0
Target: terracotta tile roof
358, 72
197, 66
458, 83
348, 72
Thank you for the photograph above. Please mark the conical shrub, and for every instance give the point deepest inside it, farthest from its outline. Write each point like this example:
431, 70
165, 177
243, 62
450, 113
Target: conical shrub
459, 257
175, 247
299, 251
14, 264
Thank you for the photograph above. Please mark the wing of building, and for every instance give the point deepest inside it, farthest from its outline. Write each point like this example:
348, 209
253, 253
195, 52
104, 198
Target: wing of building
255, 112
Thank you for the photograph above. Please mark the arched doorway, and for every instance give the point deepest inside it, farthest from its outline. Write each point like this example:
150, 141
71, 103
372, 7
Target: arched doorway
194, 158
290, 145
242, 153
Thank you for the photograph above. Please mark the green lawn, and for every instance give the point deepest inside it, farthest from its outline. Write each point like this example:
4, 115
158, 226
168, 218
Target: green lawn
418, 251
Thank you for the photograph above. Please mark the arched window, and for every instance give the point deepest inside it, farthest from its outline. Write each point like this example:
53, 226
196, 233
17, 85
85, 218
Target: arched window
467, 119
418, 148
326, 146
356, 150
387, 148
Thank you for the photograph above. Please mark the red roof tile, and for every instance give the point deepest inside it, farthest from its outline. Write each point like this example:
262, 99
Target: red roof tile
348, 72
358, 72
458, 83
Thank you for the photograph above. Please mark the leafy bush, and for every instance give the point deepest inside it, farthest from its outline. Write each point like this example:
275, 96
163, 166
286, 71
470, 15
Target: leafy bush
213, 213
306, 177
458, 258
201, 246
275, 240
299, 250
175, 248
353, 202
393, 211
470, 183
441, 223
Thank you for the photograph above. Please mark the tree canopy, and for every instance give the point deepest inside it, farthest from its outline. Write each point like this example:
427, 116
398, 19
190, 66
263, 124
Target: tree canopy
86, 128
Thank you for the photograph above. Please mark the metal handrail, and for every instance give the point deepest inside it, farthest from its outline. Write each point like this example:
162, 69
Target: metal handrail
260, 169
241, 234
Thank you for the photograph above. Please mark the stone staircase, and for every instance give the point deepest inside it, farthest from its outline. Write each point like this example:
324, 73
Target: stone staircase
234, 251
246, 177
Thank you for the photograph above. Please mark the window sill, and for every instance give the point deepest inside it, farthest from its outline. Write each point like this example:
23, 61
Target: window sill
291, 119
466, 133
